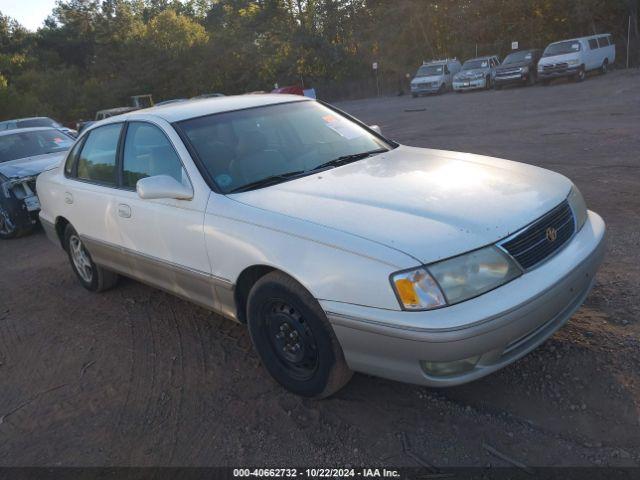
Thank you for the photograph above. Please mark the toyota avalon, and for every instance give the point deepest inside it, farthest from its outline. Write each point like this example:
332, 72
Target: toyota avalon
340, 249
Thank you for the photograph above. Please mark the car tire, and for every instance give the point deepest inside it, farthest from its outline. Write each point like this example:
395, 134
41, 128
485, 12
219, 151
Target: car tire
442, 89
92, 277
8, 227
581, 75
294, 339
605, 67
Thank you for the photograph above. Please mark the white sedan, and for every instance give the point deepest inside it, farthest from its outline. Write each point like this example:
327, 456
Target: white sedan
340, 249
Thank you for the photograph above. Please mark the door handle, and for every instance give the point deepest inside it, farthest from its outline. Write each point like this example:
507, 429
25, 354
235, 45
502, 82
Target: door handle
124, 210
68, 198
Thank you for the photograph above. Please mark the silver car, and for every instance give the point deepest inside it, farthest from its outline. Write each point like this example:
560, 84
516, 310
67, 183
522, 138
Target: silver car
340, 249
477, 73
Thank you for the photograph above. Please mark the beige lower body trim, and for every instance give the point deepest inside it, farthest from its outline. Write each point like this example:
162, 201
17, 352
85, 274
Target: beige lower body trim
206, 290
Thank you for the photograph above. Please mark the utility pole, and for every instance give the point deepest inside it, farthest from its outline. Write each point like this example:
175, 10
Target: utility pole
628, 41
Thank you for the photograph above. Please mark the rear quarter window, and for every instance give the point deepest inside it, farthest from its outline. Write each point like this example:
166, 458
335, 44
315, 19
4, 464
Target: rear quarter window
97, 161
603, 42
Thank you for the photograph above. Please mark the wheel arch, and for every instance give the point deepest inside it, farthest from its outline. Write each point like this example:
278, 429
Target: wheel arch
247, 279
60, 226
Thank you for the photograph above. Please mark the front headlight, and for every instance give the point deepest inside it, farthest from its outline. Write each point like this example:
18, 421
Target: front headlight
454, 280
578, 207
417, 290
524, 69
573, 62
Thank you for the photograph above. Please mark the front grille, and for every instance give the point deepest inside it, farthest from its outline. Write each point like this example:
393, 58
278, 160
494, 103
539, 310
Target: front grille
508, 73
538, 242
555, 67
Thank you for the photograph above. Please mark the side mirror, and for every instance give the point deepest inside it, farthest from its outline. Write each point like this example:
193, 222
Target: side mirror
376, 128
163, 186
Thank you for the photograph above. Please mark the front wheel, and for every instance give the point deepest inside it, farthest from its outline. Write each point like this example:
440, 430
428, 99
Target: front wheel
605, 66
294, 339
581, 75
92, 277
9, 225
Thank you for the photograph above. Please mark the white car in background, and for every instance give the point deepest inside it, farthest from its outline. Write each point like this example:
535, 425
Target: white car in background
340, 249
435, 76
574, 58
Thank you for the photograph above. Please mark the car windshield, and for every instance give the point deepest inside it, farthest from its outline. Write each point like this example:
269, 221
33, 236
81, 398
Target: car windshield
561, 48
29, 144
37, 122
473, 64
429, 70
518, 57
242, 148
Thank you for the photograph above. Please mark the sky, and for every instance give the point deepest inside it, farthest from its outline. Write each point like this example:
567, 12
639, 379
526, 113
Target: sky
30, 13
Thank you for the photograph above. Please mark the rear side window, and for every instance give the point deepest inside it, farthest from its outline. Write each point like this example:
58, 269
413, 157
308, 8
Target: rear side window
603, 41
97, 162
593, 44
148, 152
71, 158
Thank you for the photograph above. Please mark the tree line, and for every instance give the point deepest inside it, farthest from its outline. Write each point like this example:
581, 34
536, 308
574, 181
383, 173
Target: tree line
95, 54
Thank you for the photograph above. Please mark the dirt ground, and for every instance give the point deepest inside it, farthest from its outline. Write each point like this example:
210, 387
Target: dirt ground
138, 377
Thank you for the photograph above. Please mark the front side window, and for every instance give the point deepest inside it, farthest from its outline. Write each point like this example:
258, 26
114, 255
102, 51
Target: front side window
97, 162
593, 44
148, 152
30, 144
243, 147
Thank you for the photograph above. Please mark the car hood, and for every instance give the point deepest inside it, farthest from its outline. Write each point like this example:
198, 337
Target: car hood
510, 66
30, 166
429, 204
427, 79
471, 73
558, 59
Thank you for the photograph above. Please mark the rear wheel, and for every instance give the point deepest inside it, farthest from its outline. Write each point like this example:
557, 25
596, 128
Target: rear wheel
92, 277
294, 339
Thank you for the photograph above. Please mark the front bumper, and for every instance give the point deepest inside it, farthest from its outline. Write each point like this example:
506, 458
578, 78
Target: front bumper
499, 326
515, 79
558, 72
424, 90
462, 85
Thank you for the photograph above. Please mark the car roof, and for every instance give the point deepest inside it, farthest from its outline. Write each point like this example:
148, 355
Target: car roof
178, 111
23, 119
588, 37
25, 130
484, 57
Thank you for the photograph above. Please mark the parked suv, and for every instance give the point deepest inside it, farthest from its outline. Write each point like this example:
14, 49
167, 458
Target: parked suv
476, 73
434, 77
518, 68
574, 58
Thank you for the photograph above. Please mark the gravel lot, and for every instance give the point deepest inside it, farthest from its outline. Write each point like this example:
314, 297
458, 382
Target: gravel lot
137, 377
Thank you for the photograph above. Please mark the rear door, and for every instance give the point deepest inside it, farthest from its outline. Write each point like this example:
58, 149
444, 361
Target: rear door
162, 238
88, 196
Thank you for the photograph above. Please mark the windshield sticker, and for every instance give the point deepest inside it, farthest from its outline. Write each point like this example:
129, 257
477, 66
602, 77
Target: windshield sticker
58, 140
575, 46
485, 64
342, 128
223, 180
528, 56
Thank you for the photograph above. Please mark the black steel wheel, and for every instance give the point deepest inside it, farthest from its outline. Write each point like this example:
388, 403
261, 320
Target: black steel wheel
294, 339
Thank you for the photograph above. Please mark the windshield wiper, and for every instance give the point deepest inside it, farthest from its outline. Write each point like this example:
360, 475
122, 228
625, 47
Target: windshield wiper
354, 157
267, 181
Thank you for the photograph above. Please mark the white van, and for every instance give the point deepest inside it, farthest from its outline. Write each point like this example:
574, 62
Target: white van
574, 58
435, 76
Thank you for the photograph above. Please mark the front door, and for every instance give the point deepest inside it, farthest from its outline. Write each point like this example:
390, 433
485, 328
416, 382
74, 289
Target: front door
162, 238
